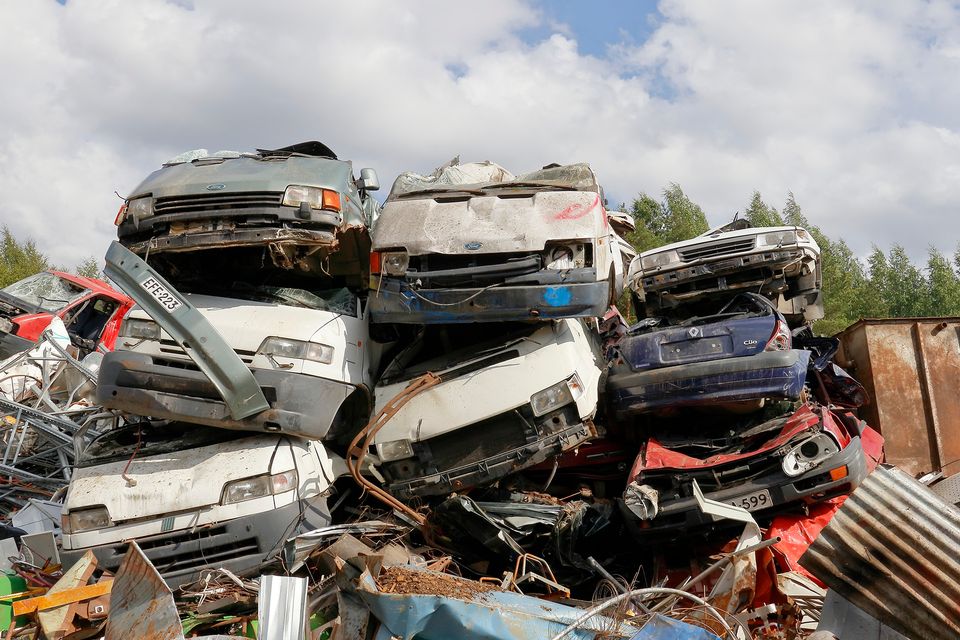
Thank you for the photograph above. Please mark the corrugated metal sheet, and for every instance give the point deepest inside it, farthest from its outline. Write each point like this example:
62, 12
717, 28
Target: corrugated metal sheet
282, 608
911, 367
893, 550
141, 604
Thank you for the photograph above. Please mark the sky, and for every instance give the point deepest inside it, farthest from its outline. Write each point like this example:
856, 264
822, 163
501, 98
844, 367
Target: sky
852, 106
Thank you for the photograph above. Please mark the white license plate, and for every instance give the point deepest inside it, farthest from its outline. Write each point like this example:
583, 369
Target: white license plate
160, 293
753, 501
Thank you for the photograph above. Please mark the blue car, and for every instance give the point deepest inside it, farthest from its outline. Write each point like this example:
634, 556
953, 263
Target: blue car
742, 353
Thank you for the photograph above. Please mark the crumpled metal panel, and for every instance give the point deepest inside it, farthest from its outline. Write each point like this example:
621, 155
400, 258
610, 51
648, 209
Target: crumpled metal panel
141, 604
893, 550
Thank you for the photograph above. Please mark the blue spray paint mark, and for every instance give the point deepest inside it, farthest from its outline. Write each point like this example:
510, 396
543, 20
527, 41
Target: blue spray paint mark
557, 296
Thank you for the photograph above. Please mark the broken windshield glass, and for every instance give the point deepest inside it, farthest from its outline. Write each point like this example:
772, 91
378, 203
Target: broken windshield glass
45, 291
339, 300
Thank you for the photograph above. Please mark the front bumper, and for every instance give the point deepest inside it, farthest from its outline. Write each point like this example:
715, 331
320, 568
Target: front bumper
482, 453
770, 374
394, 300
240, 545
750, 269
300, 405
682, 515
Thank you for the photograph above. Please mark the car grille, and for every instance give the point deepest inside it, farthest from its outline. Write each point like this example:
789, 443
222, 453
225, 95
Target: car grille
714, 249
215, 201
174, 351
477, 442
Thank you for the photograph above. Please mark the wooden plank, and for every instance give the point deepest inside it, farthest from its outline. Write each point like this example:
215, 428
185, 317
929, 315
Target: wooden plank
60, 598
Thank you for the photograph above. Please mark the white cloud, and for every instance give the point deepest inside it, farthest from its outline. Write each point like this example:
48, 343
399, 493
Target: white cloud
849, 105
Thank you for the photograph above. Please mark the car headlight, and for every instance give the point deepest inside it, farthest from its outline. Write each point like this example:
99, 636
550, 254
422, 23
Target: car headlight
809, 454
657, 260
142, 329
560, 394
779, 238
277, 347
87, 520
315, 197
394, 450
394, 263
139, 208
566, 256
258, 487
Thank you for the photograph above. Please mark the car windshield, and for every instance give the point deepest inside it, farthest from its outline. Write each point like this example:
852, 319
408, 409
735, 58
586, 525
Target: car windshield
146, 439
339, 300
45, 291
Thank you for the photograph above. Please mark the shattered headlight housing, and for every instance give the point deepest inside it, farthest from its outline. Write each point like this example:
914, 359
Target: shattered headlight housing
779, 238
394, 450
315, 197
277, 347
140, 329
559, 395
139, 208
258, 487
658, 260
809, 454
565, 256
394, 263
88, 519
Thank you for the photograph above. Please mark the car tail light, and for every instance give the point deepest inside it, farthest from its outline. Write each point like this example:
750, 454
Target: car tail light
780, 340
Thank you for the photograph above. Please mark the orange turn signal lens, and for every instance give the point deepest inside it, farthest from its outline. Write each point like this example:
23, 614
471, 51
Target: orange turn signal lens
120, 214
331, 200
838, 473
374, 262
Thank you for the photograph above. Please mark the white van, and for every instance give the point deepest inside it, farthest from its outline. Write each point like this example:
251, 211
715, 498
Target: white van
194, 497
510, 397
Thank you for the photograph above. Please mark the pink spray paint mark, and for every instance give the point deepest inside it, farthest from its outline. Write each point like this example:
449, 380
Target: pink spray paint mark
577, 210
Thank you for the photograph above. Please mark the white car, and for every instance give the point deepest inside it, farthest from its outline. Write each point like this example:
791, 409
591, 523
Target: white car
782, 263
194, 497
513, 397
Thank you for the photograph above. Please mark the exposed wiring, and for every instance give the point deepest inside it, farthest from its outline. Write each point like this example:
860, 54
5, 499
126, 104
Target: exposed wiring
454, 304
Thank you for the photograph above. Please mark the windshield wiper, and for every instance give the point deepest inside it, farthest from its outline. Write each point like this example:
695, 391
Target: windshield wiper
425, 192
539, 185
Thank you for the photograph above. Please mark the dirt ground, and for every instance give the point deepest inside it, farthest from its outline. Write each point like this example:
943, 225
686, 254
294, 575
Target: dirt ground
404, 581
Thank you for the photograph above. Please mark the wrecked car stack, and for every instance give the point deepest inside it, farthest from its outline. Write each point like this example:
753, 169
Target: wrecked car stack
327, 418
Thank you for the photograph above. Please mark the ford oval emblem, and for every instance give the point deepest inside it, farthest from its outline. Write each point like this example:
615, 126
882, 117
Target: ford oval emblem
216, 187
472, 246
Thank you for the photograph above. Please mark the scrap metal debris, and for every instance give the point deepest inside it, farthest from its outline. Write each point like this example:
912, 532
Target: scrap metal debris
460, 437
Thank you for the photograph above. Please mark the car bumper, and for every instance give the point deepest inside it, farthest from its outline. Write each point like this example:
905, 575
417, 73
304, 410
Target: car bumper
394, 300
240, 545
683, 515
300, 405
750, 269
436, 470
770, 374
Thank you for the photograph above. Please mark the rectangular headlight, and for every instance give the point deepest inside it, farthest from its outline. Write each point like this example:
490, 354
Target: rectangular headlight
87, 520
315, 197
143, 329
657, 260
139, 208
258, 487
278, 347
780, 238
560, 394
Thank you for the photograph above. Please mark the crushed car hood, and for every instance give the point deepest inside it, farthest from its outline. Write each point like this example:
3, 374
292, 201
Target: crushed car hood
452, 224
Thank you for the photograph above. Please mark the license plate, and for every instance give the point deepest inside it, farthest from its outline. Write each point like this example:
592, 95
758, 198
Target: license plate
160, 294
753, 501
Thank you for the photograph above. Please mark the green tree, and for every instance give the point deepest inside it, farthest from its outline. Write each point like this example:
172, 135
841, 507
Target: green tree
89, 268
760, 214
943, 295
672, 219
19, 259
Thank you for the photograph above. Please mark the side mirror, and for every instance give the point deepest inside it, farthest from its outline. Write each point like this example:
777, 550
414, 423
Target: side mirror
369, 180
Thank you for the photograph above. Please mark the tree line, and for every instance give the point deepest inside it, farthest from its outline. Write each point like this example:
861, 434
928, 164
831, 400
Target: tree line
19, 259
885, 285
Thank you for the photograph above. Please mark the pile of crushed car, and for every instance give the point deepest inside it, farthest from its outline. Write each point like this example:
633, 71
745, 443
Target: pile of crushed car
310, 415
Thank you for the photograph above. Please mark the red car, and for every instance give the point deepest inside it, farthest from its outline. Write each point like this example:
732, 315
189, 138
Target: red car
90, 309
